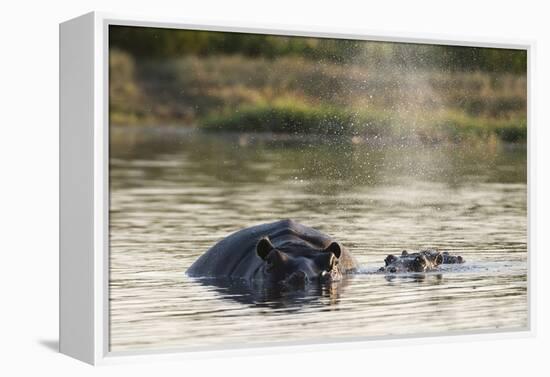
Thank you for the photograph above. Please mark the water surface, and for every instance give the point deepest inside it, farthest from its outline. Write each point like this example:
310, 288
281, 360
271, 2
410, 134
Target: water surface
175, 192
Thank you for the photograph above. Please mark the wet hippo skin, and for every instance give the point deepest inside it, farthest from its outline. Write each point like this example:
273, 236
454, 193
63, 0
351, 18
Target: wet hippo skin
283, 252
287, 253
425, 260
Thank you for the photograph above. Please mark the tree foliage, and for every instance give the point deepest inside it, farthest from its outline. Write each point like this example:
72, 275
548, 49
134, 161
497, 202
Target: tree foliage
161, 43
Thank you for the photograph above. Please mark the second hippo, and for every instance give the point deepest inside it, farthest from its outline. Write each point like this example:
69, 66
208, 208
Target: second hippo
421, 261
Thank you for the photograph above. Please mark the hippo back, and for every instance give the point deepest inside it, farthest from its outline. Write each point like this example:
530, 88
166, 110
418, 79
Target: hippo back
235, 256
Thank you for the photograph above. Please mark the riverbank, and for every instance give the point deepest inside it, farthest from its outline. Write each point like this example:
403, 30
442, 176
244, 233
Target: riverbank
297, 96
296, 119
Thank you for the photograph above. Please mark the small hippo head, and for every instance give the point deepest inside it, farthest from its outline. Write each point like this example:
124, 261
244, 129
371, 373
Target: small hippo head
447, 258
412, 262
452, 259
295, 264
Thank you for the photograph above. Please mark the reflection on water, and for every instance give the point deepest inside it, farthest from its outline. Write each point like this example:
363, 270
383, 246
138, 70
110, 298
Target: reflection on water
174, 193
285, 300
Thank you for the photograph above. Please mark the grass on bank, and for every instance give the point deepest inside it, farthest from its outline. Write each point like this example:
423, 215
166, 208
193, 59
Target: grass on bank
293, 95
325, 120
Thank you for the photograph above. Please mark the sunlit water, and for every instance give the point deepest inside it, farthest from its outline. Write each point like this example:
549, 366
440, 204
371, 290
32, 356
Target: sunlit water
174, 193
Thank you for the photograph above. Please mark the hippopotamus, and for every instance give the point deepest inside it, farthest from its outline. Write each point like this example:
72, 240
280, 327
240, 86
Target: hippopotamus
282, 253
425, 260
451, 259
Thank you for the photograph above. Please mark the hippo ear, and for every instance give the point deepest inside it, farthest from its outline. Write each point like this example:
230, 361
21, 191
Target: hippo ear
335, 249
438, 259
404, 253
390, 259
263, 247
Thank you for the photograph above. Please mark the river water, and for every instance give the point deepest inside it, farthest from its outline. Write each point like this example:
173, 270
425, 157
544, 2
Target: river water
174, 193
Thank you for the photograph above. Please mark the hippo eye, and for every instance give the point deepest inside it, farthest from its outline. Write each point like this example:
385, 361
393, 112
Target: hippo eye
270, 260
269, 264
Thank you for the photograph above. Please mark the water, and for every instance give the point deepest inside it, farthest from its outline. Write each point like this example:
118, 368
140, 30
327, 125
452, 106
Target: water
174, 193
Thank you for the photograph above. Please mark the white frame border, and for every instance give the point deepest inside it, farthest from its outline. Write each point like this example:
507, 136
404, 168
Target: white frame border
101, 22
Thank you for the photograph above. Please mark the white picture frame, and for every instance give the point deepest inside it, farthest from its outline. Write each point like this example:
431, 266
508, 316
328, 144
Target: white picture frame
84, 186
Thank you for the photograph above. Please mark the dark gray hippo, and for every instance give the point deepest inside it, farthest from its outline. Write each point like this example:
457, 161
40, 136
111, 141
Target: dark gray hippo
283, 253
422, 261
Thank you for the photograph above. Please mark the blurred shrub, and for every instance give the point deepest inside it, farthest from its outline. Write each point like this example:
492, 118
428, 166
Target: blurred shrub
165, 43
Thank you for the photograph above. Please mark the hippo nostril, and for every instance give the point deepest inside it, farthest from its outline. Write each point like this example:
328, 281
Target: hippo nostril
297, 278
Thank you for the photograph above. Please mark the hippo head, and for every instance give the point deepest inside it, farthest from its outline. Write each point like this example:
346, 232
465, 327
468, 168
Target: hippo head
295, 264
452, 259
412, 262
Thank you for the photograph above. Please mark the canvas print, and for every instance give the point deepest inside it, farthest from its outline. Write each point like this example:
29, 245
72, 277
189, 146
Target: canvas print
269, 189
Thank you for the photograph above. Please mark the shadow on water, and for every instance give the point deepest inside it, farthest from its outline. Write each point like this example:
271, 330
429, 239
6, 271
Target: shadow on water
280, 298
276, 297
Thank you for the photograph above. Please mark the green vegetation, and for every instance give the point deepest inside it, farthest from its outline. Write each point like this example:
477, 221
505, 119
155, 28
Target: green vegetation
299, 119
296, 118
232, 82
173, 43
